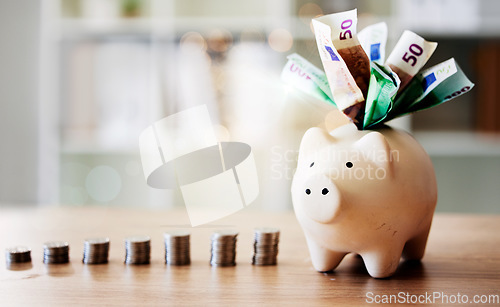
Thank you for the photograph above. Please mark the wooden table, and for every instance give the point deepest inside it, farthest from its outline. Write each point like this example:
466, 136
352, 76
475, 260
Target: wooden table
463, 258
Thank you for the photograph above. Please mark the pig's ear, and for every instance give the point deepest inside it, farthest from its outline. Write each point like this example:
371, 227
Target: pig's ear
374, 147
314, 139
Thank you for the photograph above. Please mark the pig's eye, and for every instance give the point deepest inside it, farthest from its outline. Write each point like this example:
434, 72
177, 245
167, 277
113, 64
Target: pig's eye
324, 191
349, 165
311, 164
308, 191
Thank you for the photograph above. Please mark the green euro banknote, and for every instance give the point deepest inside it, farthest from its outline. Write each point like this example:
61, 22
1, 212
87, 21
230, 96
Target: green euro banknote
382, 90
432, 87
303, 75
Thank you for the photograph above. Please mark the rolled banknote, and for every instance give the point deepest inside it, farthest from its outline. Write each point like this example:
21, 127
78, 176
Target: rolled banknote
409, 55
346, 65
373, 40
432, 87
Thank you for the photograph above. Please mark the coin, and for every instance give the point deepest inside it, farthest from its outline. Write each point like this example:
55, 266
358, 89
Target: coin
266, 240
137, 250
17, 254
55, 252
96, 250
223, 248
177, 247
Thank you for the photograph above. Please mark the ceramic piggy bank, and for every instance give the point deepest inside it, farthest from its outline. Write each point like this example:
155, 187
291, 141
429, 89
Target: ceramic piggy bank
371, 193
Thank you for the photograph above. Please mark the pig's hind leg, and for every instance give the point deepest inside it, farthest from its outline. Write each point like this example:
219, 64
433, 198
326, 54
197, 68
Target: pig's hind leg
323, 259
415, 247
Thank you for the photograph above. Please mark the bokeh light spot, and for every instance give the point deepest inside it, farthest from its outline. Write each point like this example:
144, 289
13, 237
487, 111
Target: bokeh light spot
193, 40
280, 40
103, 183
219, 40
309, 10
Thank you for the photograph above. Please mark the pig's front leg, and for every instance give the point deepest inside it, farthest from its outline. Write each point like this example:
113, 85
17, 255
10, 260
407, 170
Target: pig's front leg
382, 263
323, 259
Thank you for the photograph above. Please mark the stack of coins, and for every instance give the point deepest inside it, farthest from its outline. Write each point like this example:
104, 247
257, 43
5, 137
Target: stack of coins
56, 252
95, 251
266, 246
17, 254
177, 248
223, 250
137, 250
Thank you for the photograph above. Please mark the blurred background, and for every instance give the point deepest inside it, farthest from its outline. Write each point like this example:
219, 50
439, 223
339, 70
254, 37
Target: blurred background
80, 79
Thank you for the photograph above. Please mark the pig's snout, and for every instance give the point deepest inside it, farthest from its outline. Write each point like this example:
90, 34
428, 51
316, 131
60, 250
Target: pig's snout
320, 199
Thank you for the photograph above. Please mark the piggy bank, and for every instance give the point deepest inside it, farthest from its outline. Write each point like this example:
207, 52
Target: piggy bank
372, 193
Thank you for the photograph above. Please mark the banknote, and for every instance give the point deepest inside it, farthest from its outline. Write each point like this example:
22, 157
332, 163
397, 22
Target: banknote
373, 39
368, 92
409, 55
432, 87
344, 38
384, 85
346, 64
303, 75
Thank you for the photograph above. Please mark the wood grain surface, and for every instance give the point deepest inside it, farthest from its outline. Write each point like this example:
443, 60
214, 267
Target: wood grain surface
462, 258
